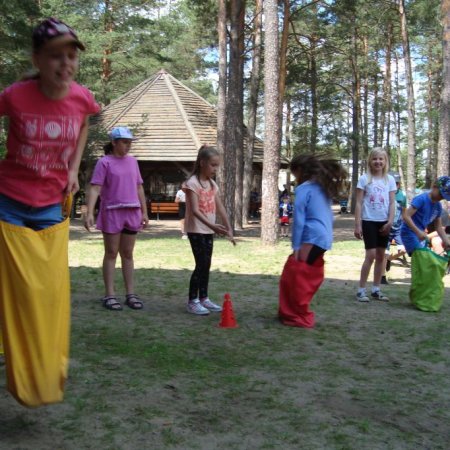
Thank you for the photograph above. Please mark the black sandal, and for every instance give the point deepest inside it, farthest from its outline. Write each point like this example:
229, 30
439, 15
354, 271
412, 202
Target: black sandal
110, 302
133, 301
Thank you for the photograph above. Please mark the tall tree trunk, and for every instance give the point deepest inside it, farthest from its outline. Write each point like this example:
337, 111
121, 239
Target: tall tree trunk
356, 102
398, 122
365, 137
271, 163
252, 109
386, 109
411, 168
238, 16
232, 125
375, 105
283, 53
106, 60
314, 101
444, 125
430, 163
222, 92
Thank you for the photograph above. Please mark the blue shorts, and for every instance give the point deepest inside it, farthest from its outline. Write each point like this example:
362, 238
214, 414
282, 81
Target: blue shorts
395, 235
17, 213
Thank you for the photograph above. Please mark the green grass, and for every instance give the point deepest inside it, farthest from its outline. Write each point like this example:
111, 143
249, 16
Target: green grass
369, 376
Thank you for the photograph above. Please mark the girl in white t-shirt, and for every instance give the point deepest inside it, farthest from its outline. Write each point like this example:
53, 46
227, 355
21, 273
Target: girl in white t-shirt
202, 203
374, 215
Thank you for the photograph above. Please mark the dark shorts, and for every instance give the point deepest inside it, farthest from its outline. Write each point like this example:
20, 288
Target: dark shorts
181, 210
371, 235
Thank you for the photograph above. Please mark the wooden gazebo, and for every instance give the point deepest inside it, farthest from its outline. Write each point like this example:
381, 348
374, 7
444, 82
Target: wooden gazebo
170, 122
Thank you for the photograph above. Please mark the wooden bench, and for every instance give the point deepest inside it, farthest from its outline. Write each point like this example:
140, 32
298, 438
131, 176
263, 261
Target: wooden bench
163, 208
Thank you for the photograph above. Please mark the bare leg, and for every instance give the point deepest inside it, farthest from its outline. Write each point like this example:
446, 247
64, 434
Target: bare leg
182, 226
379, 265
111, 243
366, 266
126, 248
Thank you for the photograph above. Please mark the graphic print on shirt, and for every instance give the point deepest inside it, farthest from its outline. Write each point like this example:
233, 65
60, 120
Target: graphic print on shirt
376, 198
50, 141
206, 201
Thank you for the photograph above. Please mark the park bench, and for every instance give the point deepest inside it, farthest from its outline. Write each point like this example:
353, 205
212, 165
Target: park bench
163, 208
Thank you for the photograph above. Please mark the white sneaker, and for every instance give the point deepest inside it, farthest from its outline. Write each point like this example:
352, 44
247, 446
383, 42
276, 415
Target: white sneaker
207, 303
184, 236
195, 307
362, 297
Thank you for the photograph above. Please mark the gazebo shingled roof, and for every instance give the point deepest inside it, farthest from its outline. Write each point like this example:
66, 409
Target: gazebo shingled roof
170, 121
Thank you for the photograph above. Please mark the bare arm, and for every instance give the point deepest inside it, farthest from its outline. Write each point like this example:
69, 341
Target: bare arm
358, 208
441, 232
143, 203
92, 195
407, 218
224, 216
74, 163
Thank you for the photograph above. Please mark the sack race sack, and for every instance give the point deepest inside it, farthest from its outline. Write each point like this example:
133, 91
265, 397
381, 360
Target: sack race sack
298, 284
427, 287
1, 342
35, 311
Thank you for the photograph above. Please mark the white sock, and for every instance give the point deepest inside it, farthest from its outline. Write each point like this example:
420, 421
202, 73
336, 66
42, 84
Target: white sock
375, 289
361, 290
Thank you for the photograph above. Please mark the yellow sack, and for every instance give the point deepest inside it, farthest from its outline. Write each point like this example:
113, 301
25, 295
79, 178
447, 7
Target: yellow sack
1, 343
35, 311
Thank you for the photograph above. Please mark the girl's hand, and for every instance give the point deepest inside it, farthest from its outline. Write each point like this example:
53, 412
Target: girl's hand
72, 183
385, 229
422, 236
358, 232
144, 220
89, 221
230, 236
220, 230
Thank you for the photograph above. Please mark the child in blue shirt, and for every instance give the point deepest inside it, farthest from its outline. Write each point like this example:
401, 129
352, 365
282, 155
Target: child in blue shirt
319, 181
425, 209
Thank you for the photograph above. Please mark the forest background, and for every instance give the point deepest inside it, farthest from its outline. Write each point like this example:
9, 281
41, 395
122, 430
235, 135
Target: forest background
334, 76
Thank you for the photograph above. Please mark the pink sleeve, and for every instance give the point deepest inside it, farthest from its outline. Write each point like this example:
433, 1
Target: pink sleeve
98, 177
138, 174
93, 107
190, 185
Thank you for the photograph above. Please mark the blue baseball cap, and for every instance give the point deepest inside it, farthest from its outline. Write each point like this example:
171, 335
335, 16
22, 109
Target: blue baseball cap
443, 184
121, 133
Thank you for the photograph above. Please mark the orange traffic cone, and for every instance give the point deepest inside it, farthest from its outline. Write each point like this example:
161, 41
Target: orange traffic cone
227, 319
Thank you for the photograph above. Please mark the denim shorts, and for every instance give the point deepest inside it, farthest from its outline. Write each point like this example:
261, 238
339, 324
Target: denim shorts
17, 213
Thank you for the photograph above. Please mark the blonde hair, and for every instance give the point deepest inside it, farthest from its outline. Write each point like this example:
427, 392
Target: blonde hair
376, 151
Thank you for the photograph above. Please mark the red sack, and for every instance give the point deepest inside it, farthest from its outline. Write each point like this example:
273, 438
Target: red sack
298, 284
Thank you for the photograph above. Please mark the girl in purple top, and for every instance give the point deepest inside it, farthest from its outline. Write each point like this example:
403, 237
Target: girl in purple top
123, 212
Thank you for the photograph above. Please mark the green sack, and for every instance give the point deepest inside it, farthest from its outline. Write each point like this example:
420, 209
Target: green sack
427, 288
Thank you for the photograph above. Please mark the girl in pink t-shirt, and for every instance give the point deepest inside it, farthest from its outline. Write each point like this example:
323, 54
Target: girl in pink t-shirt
48, 117
202, 203
123, 212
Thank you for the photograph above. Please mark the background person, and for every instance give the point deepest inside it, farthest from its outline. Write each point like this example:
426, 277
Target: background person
123, 212
374, 215
202, 204
180, 198
394, 235
319, 181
